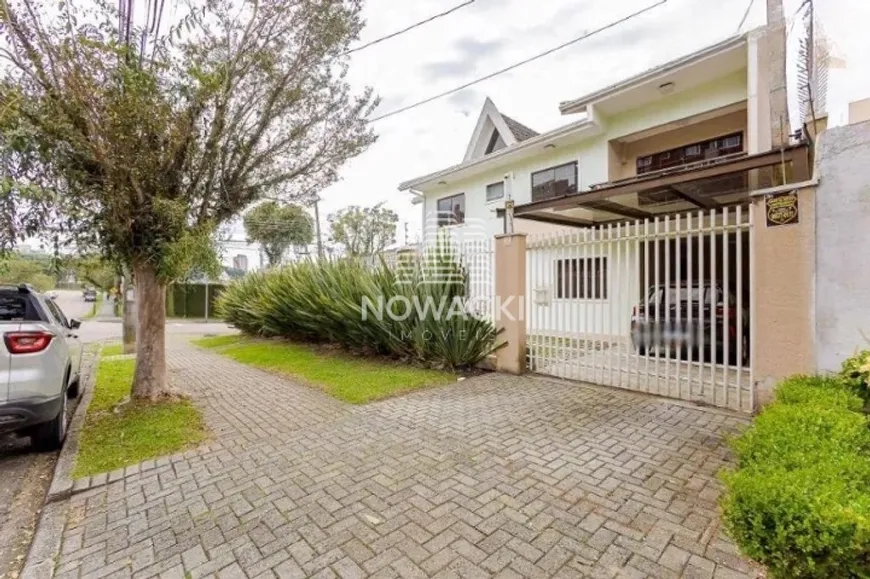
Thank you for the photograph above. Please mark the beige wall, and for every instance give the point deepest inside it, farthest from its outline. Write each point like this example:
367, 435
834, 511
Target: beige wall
859, 111
783, 279
623, 157
510, 290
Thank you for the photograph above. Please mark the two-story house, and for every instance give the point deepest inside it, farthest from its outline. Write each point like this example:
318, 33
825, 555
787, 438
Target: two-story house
707, 106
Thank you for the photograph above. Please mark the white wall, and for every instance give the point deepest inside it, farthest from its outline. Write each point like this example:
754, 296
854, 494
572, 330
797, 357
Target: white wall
480, 215
549, 315
842, 316
711, 96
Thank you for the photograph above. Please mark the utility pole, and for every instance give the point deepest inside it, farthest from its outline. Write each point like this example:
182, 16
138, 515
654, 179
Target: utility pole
317, 227
406, 234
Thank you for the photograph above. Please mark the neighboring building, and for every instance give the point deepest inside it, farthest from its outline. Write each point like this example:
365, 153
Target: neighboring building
240, 261
859, 111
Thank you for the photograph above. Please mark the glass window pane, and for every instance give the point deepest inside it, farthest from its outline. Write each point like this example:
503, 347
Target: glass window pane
495, 191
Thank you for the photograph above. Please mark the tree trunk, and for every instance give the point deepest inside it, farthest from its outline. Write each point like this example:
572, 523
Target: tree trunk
150, 379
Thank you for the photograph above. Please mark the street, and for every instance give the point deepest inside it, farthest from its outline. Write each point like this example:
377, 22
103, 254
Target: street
26, 475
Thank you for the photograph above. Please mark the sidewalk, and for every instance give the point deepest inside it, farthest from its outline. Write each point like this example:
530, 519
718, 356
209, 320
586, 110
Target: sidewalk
496, 476
107, 310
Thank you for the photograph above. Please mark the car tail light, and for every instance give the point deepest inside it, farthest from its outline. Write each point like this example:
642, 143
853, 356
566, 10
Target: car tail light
27, 342
732, 312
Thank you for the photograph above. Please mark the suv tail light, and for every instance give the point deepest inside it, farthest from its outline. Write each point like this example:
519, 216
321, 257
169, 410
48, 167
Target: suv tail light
27, 342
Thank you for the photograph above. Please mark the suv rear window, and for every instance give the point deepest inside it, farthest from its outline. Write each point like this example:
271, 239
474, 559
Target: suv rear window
15, 307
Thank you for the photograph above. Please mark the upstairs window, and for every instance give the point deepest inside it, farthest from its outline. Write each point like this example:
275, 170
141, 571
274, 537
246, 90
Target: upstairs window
495, 191
451, 210
554, 182
709, 149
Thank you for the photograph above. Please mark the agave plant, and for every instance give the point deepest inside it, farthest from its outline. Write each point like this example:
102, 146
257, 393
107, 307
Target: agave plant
410, 312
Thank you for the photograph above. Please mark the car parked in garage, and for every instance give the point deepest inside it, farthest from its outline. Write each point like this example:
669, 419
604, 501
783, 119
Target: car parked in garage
40, 363
681, 318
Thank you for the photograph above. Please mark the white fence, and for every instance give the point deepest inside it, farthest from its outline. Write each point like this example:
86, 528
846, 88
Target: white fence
477, 258
660, 305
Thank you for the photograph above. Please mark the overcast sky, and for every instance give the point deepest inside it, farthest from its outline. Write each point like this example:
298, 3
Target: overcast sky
491, 34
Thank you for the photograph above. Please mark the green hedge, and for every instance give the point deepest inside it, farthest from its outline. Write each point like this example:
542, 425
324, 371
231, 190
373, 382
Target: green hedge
323, 302
799, 499
188, 300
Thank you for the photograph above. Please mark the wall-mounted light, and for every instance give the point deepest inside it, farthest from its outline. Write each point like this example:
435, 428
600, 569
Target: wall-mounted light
666, 88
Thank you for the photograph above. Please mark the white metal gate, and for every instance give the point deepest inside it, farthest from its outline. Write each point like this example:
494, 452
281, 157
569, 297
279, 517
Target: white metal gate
660, 305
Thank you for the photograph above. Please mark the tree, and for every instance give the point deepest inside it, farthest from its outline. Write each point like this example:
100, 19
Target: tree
95, 270
36, 271
364, 230
278, 227
152, 152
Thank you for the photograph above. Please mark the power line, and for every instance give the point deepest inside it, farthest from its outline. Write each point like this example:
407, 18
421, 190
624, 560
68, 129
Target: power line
519, 64
745, 16
411, 27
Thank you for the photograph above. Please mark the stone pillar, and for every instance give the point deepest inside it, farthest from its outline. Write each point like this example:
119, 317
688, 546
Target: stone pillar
510, 291
783, 273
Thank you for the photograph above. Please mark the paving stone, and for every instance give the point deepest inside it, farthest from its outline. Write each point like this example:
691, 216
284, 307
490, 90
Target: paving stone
495, 476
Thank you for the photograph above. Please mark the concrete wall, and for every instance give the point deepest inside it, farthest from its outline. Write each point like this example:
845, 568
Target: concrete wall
843, 244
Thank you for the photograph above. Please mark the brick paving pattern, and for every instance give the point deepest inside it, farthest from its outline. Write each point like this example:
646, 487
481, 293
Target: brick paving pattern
495, 476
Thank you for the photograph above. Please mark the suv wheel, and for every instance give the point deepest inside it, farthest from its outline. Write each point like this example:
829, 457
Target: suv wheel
50, 435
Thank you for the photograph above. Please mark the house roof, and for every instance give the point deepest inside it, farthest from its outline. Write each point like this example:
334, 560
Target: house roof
518, 140
520, 131
510, 154
704, 63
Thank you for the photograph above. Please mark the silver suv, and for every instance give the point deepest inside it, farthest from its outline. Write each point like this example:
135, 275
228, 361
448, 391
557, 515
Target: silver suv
40, 362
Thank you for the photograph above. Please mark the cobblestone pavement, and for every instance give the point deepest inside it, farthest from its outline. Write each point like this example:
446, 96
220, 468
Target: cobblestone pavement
493, 476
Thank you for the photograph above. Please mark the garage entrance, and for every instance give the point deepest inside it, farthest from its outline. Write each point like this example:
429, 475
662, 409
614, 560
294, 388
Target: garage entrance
660, 305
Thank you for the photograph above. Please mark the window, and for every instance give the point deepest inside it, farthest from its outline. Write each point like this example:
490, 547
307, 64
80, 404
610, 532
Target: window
56, 313
581, 278
15, 306
451, 210
495, 191
554, 182
709, 149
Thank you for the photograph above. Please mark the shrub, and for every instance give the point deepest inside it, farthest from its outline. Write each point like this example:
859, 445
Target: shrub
856, 373
325, 301
805, 523
795, 436
799, 499
828, 391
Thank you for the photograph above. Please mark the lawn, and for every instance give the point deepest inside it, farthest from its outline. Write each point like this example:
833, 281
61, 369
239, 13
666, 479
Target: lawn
349, 378
137, 431
112, 350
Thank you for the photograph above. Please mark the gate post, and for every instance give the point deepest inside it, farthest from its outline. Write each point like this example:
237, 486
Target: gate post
510, 295
783, 272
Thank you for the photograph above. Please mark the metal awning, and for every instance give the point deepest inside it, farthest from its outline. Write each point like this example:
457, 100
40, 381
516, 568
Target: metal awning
707, 184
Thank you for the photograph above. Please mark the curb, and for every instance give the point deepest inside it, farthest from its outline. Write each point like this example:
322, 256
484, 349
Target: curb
45, 548
62, 482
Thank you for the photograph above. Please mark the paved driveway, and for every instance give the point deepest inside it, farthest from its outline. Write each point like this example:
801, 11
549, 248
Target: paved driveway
494, 476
